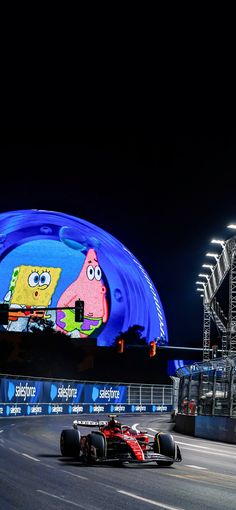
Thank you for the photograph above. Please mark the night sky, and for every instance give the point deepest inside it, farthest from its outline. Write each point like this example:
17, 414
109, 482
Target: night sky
163, 196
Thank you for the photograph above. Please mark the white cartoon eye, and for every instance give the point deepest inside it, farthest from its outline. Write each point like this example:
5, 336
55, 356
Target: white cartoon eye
45, 278
90, 272
98, 273
33, 279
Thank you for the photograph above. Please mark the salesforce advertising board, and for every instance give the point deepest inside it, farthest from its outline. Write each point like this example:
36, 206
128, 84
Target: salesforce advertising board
20, 397
24, 397
106, 397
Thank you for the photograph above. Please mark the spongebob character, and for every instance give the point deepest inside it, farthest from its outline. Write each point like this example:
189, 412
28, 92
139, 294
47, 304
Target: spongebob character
30, 286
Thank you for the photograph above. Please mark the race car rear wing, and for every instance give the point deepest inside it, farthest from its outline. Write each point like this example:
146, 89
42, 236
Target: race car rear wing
89, 423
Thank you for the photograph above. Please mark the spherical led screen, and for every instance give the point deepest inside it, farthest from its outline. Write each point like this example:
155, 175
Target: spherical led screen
52, 260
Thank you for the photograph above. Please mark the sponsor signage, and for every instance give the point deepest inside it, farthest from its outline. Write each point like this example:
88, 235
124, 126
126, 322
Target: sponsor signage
13, 410
63, 392
75, 408
117, 408
34, 410
32, 392
105, 394
97, 409
26, 397
138, 408
160, 408
20, 390
56, 409
8, 410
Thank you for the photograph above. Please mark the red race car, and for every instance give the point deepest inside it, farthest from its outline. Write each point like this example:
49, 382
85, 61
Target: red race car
114, 442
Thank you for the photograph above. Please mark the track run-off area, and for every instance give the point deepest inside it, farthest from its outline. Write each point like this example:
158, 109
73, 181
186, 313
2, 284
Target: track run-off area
34, 475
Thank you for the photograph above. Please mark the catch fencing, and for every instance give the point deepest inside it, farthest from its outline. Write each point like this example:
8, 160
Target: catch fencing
208, 388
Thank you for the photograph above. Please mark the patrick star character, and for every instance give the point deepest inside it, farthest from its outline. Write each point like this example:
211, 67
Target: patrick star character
88, 287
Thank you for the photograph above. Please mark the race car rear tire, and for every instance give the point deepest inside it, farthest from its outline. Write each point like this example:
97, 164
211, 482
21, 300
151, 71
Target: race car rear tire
70, 443
95, 447
164, 444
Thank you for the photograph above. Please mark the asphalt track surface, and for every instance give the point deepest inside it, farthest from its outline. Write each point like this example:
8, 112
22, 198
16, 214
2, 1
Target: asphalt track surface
34, 476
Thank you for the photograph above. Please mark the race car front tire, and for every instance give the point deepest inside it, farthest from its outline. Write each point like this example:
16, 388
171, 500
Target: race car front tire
95, 447
165, 445
70, 443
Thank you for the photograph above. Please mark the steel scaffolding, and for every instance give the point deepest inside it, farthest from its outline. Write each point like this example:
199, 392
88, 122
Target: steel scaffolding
232, 302
206, 332
226, 325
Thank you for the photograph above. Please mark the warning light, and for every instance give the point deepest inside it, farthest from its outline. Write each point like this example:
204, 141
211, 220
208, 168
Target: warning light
120, 345
152, 349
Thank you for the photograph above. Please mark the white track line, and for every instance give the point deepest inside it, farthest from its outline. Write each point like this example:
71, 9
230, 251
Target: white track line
230, 456
196, 446
29, 457
210, 450
195, 467
60, 498
15, 451
151, 501
73, 474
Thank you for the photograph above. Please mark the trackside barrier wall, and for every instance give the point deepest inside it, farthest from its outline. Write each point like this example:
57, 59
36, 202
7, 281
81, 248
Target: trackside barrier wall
26, 396
217, 428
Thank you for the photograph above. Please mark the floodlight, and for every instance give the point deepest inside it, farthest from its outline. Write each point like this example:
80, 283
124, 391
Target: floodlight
214, 255
218, 241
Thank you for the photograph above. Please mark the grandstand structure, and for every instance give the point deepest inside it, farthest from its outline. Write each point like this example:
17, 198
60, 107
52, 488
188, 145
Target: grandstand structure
224, 264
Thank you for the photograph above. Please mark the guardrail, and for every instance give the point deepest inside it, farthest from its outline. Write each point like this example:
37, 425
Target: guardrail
29, 396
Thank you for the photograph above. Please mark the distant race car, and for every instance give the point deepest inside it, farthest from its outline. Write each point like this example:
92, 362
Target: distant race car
113, 442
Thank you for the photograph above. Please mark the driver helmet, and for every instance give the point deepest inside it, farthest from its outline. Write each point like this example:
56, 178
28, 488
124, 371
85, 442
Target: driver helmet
114, 424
